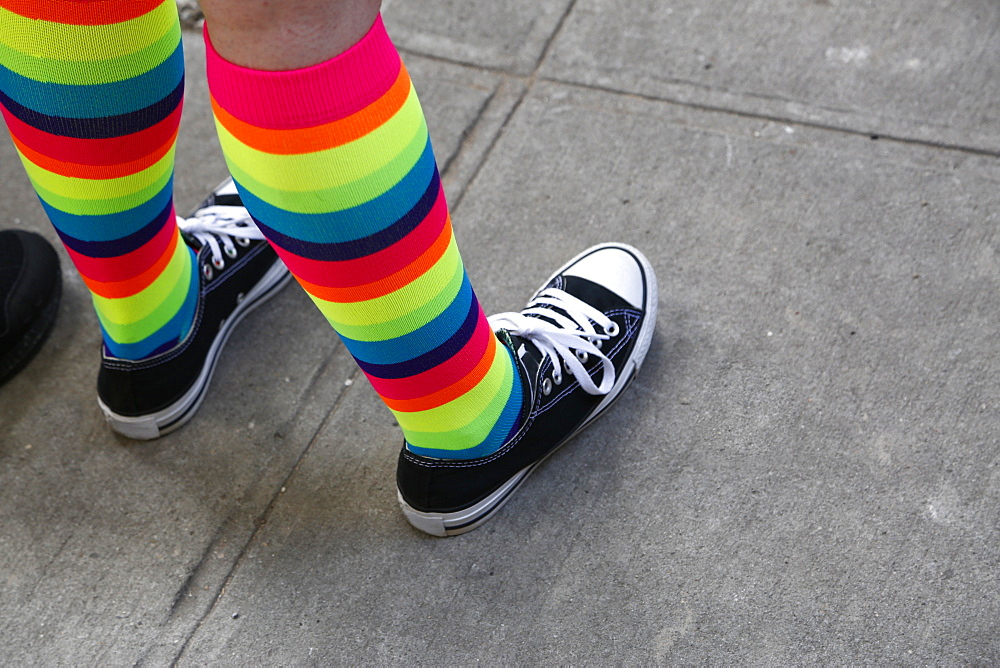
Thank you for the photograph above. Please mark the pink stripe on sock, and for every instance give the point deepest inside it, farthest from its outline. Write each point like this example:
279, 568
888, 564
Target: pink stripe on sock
310, 96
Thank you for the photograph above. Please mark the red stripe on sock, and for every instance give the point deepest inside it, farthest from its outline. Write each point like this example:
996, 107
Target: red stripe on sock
96, 152
129, 265
132, 286
97, 172
440, 377
81, 12
452, 392
409, 273
378, 267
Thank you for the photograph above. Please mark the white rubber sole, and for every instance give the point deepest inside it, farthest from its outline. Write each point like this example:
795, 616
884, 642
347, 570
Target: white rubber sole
162, 422
467, 519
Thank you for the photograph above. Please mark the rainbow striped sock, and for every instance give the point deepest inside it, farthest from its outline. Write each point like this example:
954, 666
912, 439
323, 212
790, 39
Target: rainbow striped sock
91, 92
335, 164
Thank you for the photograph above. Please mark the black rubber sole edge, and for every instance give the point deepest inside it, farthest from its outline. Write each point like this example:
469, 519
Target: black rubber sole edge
161, 423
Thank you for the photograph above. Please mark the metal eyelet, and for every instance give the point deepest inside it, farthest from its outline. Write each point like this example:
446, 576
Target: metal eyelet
206, 270
240, 297
599, 343
612, 330
231, 252
547, 387
582, 356
557, 378
218, 263
242, 241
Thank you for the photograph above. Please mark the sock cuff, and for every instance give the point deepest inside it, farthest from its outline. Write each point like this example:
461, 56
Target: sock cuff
293, 99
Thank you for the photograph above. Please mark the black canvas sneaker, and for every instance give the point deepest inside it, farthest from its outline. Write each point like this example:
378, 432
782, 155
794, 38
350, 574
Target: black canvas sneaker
238, 271
578, 345
30, 288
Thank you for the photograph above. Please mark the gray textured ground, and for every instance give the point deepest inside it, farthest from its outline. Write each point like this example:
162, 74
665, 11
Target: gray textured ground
806, 471
190, 13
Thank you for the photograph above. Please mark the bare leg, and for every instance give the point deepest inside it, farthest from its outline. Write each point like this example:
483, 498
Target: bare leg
286, 34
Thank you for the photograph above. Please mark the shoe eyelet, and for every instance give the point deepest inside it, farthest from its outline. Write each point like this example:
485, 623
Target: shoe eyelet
582, 356
206, 270
242, 241
218, 263
599, 343
240, 297
557, 378
612, 330
547, 387
231, 252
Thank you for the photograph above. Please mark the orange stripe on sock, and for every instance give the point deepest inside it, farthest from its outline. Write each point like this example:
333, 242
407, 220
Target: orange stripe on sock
321, 137
452, 392
400, 279
76, 170
81, 12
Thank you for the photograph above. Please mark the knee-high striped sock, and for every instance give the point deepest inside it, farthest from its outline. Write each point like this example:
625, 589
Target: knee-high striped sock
91, 92
335, 164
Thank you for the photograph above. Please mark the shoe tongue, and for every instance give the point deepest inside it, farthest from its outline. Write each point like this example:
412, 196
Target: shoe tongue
225, 199
525, 352
227, 194
192, 242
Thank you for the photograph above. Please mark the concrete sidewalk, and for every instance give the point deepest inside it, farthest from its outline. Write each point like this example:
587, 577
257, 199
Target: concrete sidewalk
806, 471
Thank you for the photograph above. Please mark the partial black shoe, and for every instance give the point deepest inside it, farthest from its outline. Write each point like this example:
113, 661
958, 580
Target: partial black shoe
238, 271
578, 345
30, 288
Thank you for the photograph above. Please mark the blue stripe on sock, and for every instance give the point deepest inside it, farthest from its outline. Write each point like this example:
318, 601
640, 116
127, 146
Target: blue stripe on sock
97, 100
407, 349
117, 247
352, 250
105, 127
111, 226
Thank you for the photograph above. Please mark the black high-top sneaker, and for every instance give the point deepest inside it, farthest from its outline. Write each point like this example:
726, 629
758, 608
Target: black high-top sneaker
238, 271
30, 287
578, 345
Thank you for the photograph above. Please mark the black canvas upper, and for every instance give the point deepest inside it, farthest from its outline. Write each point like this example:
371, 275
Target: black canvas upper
139, 388
437, 485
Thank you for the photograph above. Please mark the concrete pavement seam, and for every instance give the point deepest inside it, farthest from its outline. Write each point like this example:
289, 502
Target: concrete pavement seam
261, 520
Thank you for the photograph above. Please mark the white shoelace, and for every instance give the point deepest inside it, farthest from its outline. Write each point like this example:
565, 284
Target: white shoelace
213, 223
569, 340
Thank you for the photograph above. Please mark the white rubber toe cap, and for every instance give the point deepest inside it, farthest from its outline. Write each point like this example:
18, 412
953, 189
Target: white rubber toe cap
614, 268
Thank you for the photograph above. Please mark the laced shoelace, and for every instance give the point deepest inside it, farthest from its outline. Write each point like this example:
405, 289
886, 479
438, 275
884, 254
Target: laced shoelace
569, 341
221, 223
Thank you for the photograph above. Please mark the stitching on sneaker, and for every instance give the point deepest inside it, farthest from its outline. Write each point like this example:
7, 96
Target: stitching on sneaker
631, 329
632, 318
126, 365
